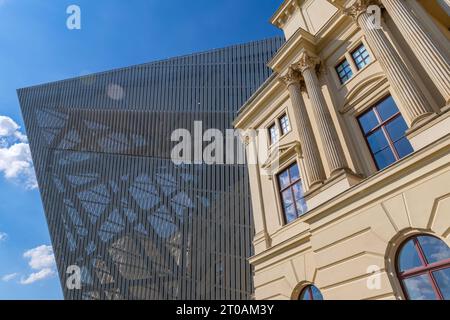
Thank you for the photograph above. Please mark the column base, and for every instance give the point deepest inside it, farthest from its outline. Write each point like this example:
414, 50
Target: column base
338, 183
261, 242
421, 120
430, 131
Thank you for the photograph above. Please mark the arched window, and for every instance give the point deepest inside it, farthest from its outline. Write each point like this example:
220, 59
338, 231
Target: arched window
423, 265
311, 293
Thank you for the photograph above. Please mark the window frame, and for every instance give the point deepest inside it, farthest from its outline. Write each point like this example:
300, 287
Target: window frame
348, 56
340, 63
284, 115
381, 125
277, 124
426, 268
356, 48
289, 187
269, 129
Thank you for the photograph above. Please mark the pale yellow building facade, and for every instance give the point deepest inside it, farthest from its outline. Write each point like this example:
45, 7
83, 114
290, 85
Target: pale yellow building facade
358, 122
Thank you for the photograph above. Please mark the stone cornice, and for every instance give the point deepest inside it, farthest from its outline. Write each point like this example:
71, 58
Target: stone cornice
302, 39
258, 101
284, 12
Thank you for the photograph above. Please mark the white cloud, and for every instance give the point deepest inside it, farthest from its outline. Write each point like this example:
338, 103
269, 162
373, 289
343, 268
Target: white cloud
38, 276
8, 128
15, 156
41, 259
3, 236
9, 277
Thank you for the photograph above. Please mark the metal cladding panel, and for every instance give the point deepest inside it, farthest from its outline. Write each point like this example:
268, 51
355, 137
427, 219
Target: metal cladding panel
137, 225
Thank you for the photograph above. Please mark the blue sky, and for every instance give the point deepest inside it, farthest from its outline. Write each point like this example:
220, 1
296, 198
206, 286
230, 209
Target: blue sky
37, 47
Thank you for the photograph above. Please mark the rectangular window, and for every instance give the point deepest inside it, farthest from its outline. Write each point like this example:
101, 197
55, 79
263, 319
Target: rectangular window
285, 124
274, 134
384, 128
361, 57
291, 191
344, 71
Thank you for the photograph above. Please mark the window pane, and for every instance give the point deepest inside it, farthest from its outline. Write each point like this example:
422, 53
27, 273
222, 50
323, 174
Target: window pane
285, 125
274, 135
384, 158
361, 57
409, 257
295, 174
368, 121
344, 71
299, 198
420, 288
289, 207
283, 179
397, 128
387, 108
316, 293
377, 141
403, 147
443, 281
434, 249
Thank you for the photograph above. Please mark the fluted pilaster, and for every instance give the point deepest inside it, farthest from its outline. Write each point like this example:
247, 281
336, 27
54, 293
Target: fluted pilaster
333, 149
431, 56
313, 163
413, 101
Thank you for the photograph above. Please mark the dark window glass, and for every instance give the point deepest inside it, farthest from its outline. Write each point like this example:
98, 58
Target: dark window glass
285, 124
424, 268
384, 129
344, 71
396, 129
377, 141
403, 147
368, 121
387, 108
311, 293
291, 190
274, 134
361, 57
384, 158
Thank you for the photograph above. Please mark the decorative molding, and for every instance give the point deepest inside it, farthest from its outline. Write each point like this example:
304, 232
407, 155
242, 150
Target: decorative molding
285, 12
307, 61
292, 76
283, 152
362, 90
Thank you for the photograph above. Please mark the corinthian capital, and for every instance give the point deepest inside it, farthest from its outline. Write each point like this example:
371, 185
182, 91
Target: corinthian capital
292, 77
360, 7
307, 62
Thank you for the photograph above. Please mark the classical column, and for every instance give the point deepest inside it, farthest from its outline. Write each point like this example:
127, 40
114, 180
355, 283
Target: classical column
313, 163
413, 101
333, 149
431, 56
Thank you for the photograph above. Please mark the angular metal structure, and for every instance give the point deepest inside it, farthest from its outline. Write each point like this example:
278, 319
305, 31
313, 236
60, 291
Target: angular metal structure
137, 225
